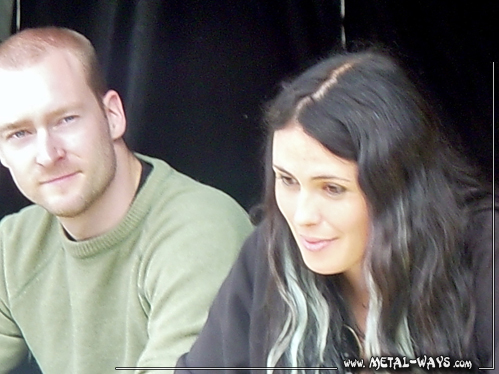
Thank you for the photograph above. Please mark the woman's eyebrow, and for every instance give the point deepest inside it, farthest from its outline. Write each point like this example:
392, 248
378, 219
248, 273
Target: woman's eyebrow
317, 177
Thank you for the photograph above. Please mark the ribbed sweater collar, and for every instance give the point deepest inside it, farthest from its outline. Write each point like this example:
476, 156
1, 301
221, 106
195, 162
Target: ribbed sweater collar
141, 205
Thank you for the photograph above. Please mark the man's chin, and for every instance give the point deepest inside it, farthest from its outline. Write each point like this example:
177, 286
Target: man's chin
65, 210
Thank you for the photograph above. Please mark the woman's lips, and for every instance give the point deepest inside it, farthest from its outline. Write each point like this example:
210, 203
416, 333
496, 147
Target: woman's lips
314, 244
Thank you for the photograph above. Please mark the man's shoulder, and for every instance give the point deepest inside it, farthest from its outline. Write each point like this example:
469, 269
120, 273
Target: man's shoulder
25, 219
172, 189
27, 231
181, 210
27, 240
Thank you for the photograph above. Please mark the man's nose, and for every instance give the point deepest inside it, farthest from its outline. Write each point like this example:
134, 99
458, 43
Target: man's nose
48, 151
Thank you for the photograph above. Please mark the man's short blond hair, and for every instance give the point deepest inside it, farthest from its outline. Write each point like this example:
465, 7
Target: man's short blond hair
30, 46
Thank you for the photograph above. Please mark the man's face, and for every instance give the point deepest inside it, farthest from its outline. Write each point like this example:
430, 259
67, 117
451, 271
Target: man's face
55, 136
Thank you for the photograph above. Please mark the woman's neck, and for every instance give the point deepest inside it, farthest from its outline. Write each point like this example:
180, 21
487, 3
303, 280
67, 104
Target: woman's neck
357, 295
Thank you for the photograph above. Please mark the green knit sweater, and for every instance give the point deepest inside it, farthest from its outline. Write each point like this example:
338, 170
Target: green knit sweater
136, 296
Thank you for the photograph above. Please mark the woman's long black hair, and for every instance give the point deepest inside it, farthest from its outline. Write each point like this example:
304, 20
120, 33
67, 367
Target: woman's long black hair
363, 107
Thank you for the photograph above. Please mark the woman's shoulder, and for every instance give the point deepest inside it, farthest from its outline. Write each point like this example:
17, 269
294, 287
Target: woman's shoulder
479, 236
483, 217
234, 334
252, 263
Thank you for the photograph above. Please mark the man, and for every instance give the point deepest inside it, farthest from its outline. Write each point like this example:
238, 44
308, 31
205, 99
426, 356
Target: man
119, 258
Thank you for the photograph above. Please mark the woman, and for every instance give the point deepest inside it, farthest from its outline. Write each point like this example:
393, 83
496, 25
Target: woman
376, 238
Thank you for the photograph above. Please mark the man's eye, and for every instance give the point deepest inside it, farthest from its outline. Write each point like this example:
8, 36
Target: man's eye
18, 134
68, 119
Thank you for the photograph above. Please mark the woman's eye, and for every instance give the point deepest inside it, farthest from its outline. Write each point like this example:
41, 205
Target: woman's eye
287, 181
334, 189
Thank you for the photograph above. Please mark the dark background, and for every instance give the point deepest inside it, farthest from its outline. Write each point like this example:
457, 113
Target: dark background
194, 74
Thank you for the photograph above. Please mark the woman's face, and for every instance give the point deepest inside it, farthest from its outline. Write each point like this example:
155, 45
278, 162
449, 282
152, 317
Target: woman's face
320, 198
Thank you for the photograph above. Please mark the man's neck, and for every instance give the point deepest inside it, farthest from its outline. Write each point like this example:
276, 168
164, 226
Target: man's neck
108, 211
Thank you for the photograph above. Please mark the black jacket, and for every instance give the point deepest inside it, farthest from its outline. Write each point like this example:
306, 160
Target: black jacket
235, 332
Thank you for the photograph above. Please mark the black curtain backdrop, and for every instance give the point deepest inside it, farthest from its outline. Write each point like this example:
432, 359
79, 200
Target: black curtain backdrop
194, 75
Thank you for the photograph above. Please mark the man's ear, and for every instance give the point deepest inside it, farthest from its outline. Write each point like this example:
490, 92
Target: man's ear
2, 159
115, 113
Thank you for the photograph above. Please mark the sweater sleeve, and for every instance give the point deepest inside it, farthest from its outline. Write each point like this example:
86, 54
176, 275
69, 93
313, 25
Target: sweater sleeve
13, 349
187, 261
233, 336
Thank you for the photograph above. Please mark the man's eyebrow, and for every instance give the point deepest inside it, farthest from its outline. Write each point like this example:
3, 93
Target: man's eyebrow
62, 111
13, 126
10, 126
